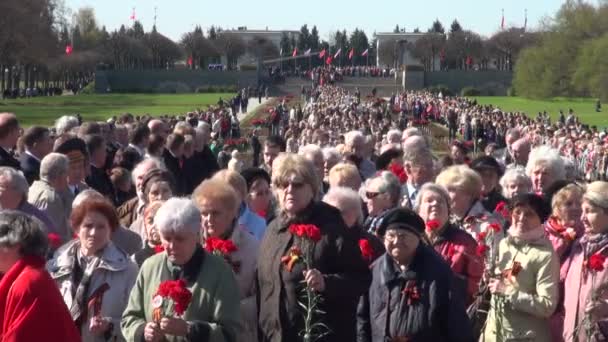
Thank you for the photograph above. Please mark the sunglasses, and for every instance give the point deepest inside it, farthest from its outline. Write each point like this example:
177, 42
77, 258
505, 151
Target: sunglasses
294, 185
372, 195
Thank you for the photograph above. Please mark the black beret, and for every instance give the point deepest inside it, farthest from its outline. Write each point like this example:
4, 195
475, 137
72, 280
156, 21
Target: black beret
402, 218
254, 173
384, 160
486, 163
534, 201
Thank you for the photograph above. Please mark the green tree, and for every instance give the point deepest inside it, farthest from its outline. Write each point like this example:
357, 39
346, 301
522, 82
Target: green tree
437, 27
455, 27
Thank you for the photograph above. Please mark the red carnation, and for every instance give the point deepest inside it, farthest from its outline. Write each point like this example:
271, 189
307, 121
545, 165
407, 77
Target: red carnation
297, 230
495, 227
227, 247
366, 249
596, 262
481, 236
159, 249
399, 172
313, 232
181, 296
54, 240
482, 249
432, 225
502, 209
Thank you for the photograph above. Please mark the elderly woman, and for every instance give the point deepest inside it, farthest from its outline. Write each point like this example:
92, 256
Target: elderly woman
213, 311
585, 301
515, 181
152, 243
525, 278
157, 185
545, 166
133, 208
219, 205
382, 193
27, 292
337, 272
349, 203
91, 269
314, 154
344, 175
50, 194
490, 172
259, 195
247, 220
412, 296
331, 157
457, 247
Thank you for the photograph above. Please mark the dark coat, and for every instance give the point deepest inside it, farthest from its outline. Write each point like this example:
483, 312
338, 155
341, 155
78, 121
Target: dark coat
437, 315
492, 199
174, 166
100, 181
336, 256
202, 165
30, 167
6, 159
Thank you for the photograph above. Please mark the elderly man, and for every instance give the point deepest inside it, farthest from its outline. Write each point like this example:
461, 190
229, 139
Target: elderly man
76, 151
121, 135
506, 155
131, 209
520, 150
203, 164
9, 134
13, 196
51, 195
38, 144
139, 138
419, 168
158, 127
355, 149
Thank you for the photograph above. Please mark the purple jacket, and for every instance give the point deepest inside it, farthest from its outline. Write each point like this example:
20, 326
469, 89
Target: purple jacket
29, 209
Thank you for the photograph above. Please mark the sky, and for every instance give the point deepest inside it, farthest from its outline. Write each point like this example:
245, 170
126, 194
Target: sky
174, 17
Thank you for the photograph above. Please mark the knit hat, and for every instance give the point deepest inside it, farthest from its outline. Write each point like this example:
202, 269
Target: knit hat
402, 218
157, 175
486, 163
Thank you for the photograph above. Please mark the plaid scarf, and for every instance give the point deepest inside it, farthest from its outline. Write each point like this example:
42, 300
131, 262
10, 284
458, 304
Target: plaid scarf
81, 279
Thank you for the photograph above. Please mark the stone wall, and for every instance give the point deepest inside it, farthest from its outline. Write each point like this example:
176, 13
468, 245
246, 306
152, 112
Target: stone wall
489, 82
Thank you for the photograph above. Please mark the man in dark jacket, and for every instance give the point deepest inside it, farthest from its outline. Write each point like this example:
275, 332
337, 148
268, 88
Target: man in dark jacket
411, 297
98, 179
9, 134
38, 144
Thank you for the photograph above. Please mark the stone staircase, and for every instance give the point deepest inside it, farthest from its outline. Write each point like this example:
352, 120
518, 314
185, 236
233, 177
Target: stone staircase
385, 86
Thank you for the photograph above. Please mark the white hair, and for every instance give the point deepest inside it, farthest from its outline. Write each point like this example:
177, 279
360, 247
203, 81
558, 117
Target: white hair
434, 188
87, 194
548, 156
345, 199
178, 215
203, 125
16, 179
53, 166
393, 136
389, 184
331, 152
158, 164
311, 150
410, 131
65, 124
516, 173
350, 137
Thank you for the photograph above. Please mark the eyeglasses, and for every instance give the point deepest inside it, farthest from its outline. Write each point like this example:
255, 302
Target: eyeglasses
371, 195
392, 237
294, 185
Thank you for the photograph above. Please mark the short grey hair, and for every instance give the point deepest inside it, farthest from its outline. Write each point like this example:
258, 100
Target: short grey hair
16, 179
331, 152
347, 197
434, 188
549, 156
417, 155
65, 124
393, 134
410, 132
19, 229
517, 173
158, 164
53, 166
312, 150
389, 184
178, 215
350, 137
87, 194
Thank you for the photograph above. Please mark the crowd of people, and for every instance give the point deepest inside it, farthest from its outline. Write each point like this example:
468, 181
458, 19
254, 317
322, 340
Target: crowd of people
344, 225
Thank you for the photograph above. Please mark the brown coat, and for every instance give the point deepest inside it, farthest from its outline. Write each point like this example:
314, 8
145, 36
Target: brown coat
127, 213
336, 256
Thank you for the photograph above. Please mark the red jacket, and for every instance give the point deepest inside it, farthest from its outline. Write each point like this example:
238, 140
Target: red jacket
459, 250
31, 307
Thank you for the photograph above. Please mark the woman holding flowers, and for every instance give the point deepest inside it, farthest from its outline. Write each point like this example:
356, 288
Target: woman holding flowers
457, 247
219, 205
305, 256
586, 308
524, 280
183, 293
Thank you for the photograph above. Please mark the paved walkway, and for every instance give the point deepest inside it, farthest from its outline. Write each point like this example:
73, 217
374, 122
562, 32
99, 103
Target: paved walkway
252, 105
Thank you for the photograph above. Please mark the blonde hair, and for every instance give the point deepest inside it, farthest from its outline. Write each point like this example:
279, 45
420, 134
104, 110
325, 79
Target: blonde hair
216, 190
562, 195
597, 194
183, 128
344, 171
463, 177
234, 179
287, 164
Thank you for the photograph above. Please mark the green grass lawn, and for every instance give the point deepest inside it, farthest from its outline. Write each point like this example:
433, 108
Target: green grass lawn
45, 110
583, 107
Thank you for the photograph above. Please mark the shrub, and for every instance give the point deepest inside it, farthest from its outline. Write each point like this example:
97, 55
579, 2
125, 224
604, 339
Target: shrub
470, 91
89, 89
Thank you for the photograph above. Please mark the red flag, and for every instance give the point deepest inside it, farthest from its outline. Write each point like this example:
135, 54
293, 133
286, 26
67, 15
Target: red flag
322, 53
442, 55
190, 61
469, 60
365, 53
68, 49
132, 17
328, 60
295, 52
351, 53
502, 22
